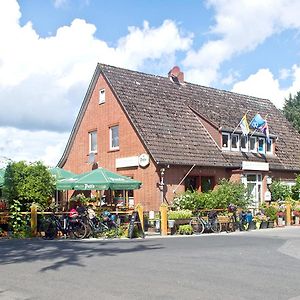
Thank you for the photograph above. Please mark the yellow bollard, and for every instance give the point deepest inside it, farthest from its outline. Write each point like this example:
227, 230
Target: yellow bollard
288, 214
163, 219
33, 220
140, 210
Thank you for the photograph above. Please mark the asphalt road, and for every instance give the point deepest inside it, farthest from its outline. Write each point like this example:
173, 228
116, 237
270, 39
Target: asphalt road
263, 264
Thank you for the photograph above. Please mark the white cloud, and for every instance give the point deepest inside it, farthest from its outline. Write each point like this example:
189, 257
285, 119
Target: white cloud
240, 27
43, 80
60, 3
263, 84
32, 145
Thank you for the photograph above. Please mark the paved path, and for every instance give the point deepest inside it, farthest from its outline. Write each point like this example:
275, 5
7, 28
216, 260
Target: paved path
263, 264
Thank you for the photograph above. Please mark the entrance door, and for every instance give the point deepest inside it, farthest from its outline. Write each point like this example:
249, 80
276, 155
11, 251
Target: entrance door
254, 182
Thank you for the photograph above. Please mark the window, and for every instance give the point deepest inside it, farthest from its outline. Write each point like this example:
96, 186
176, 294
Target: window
252, 143
225, 141
244, 143
261, 145
93, 141
102, 96
114, 137
235, 142
269, 147
191, 183
207, 184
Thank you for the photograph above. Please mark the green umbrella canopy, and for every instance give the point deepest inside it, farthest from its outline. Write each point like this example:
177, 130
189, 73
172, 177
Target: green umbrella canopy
60, 173
66, 184
100, 179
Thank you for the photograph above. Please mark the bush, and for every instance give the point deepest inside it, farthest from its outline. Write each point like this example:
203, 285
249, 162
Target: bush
226, 193
179, 214
271, 212
185, 229
279, 191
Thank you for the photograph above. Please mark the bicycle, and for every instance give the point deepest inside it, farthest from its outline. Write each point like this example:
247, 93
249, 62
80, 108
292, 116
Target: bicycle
69, 227
99, 226
199, 224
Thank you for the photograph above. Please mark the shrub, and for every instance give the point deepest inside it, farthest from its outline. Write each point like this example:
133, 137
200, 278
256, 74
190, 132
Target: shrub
179, 214
271, 212
279, 191
185, 229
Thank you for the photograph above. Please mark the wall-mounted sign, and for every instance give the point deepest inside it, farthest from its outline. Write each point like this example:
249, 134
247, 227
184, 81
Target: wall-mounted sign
144, 160
267, 196
125, 162
255, 166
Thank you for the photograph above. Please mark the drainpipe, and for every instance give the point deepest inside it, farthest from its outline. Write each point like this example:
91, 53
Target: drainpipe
161, 184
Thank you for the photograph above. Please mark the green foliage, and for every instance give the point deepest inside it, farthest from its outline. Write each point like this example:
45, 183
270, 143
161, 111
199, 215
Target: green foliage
279, 191
17, 222
291, 110
271, 212
296, 189
227, 192
28, 183
179, 214
185, 229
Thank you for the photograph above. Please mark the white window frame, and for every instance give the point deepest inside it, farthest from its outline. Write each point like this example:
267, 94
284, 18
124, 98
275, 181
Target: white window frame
229, 141
101, 96
255, 148
237, 143
271, 147
91, 133
247, 143
111, 147
263, 151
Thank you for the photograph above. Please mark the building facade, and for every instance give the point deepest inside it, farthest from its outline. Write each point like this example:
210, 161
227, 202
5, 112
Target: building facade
173, 135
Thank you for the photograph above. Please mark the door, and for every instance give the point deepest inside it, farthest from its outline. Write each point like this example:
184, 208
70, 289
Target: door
254, 184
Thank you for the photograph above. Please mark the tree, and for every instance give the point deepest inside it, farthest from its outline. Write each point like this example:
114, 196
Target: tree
28, 183
291, 110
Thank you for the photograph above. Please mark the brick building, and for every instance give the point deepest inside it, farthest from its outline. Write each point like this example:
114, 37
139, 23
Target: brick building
173, 135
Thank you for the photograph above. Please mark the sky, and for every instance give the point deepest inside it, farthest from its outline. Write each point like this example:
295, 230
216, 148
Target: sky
49, 50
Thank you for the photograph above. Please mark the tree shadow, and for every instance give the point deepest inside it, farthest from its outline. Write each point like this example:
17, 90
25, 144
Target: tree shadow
60, 253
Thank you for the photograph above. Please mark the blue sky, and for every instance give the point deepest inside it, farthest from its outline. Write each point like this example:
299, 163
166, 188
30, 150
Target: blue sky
50, 48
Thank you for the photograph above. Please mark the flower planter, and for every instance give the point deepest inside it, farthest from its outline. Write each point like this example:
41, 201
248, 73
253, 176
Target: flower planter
297, 220
270, 224
280, 222
264, 225
182, 222
252, 226
171, 223
257, 225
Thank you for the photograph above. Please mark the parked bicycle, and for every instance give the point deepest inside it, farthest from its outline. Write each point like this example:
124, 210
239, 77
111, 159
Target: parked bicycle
69, 227
236, 221
199, 224
104, 224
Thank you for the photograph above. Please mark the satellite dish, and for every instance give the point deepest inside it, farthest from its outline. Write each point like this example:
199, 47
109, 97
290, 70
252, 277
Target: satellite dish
91, 159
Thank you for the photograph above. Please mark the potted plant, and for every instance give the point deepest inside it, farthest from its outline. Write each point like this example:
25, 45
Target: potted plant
271, 214
280, 215
185, 229
296, 215
181, 217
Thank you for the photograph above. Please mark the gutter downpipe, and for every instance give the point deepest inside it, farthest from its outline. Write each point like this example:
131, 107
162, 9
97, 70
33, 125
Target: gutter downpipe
189, 171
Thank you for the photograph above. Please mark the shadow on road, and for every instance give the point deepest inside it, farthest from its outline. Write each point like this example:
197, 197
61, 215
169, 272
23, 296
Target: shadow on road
65, 252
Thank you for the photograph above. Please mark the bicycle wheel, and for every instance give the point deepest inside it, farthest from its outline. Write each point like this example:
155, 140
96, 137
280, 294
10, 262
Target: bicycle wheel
197, 226
216, 226
79, 230
50, 230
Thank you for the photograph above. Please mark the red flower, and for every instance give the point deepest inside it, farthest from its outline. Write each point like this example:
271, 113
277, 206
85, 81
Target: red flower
280, 214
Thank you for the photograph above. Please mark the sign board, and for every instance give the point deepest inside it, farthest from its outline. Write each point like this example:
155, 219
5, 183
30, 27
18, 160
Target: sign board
255, 166
267, 196
144, 160
135, 220
125, 162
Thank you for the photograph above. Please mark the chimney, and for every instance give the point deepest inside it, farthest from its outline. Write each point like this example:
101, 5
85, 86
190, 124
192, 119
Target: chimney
176, 75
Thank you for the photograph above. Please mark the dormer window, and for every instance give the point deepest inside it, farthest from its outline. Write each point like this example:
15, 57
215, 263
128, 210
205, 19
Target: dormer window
261, 145
244, 143
235, 142
252, 144
225, 141
269, 147
102, 96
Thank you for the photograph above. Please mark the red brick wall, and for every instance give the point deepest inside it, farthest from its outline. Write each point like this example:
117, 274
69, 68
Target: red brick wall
100, 118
